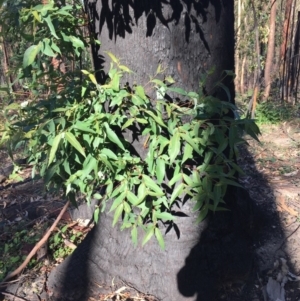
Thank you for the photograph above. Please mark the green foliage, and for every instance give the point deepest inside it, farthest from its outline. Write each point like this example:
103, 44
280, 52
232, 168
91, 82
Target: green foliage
78, 139
17, 243
57, 242
272, 112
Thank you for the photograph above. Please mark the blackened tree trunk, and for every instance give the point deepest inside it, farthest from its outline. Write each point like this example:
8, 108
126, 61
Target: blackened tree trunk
188, 38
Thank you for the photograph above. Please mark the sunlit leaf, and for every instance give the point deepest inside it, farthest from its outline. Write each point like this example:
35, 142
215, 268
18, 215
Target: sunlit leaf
160, 238
134, 235
96, 215
148, 235
74, 142
112, 136
177, 192
118, 213
152, 185
30, 55
112, 57
54, 147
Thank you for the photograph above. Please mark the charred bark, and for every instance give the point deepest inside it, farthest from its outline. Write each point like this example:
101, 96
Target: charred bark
188, 38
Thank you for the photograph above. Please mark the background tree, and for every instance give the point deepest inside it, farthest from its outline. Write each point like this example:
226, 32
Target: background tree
271, 51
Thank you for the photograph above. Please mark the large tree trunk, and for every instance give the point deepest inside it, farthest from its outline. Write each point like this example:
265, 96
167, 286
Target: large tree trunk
188, 38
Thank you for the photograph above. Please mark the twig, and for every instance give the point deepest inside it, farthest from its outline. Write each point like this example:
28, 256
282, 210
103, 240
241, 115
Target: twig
12, 295
37, 246
286, 238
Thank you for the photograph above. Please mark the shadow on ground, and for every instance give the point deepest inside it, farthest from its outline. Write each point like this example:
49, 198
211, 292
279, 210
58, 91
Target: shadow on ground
229, 257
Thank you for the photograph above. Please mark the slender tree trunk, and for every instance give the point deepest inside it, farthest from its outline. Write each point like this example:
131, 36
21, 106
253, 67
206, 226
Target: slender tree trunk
271, 50
296, 61
290, 56
256, 83
242, 83
283, 48
8, 76
237, 50
187, 40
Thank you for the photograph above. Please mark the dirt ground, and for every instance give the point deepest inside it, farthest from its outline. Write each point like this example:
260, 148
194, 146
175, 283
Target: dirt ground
272, 178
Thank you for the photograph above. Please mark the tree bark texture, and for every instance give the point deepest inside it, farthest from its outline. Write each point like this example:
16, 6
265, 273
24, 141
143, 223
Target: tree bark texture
188, 38
271, 51
238, 87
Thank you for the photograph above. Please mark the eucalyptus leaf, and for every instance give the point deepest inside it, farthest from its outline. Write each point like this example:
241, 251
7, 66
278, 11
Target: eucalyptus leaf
74, 142
118, 213
160, 238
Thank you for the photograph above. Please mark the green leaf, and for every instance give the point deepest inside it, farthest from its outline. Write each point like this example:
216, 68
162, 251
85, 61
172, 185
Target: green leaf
134, 234
152, 185
125, 69
109, 153
74, 142
217, 193
202, 215
176, 177
177, 192
112, 136
200, 199
190, 141
160, 238
118, 201
132, 198
84, 126
30, 54
128, 123
139, 90
47, 50
188, 152
96, 215
127, 207
166, 216
170, 80
188, 180
117, 214
76, 42
54, 147
93, 79
160, 170
97, 196
157, 119
51, 27
50, 172
37, 16
178, 91
148, 234
174, 146
230, 182
142, 192
112, 57
222, 147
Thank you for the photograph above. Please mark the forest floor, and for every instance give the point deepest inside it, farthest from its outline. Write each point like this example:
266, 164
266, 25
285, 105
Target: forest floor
272, 178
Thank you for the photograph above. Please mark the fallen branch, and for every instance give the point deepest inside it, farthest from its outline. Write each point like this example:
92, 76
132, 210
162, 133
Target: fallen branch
37, 246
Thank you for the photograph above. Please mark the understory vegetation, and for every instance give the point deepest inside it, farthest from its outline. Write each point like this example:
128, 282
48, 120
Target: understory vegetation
76, 130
